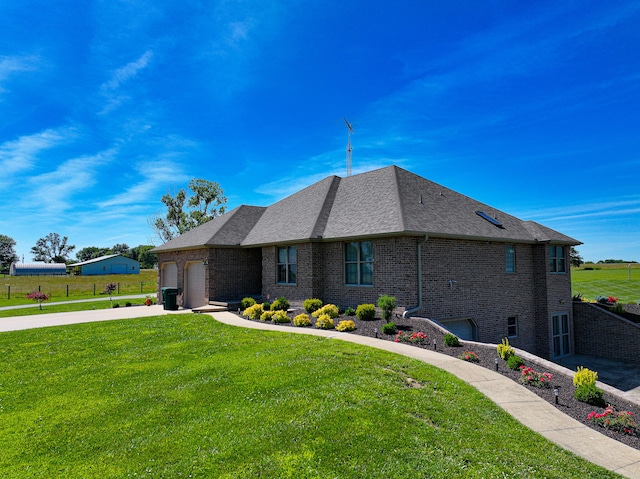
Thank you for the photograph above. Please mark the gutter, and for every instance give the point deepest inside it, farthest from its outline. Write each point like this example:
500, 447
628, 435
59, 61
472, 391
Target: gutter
418, 307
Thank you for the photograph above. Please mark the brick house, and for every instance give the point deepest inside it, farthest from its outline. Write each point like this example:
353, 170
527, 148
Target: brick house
480, 272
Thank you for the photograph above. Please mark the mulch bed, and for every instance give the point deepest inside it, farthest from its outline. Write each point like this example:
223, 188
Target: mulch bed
487, 354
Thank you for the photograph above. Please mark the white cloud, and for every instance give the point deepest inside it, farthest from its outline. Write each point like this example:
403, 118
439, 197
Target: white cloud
129, 71
21, 154
13, 64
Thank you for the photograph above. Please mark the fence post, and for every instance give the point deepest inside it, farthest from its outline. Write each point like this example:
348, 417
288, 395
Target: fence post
118, 287
38, 287
67, 291
140, 287
8, 291
94, 289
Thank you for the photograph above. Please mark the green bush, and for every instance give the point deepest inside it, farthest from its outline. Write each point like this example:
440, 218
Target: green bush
324, 321
115, 305
311, 305
584, 376
451, 340
346, 325
280, 316
387, 304
266, 306
247, 302
505, 350
280, 304
302, 320
349, 311
254, 312
127, 304
366, 312
389, 328
590, 394
514, 362
267, 315
329, 309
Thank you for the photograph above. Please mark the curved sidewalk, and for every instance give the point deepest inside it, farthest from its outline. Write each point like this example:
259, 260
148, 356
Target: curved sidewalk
522, 404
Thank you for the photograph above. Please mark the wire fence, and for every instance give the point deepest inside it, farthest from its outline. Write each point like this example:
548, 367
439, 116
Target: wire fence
63, 288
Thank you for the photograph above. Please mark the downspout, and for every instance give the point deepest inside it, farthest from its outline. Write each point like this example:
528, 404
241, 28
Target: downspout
418, 307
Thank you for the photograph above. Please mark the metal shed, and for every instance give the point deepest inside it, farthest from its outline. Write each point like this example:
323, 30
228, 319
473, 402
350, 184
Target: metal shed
109, 264
37, 269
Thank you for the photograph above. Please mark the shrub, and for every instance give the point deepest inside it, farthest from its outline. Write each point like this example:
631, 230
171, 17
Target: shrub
311, 305
246, 302
366, 312
266, 306
620, 421
514, 362
267, 315
416, 338
451, 340
387, 304
346, 325
302, 320
389, 328
470, 356
253, 312
532, 378
325, 322
584, 376
350, 311
329, 309
590, 394
280, 304
280, 316
505, 350
115, 305
127, 304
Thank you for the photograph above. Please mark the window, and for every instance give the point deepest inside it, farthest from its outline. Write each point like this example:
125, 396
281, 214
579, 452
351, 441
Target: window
358, 263
557, 260
512, 326
561, 335
287, 270
510, 258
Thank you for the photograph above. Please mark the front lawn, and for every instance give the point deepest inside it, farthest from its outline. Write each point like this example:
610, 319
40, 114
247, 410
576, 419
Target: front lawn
184, 396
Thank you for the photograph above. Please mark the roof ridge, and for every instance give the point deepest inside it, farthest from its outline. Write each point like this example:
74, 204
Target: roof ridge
400, 206
323, 215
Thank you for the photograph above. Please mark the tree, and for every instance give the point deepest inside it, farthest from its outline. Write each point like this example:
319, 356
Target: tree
574, 258
143, 255
7, 251
91, 252
121, 248
52, 249
206, 202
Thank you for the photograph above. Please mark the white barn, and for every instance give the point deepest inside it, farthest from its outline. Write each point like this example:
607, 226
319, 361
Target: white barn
38, 269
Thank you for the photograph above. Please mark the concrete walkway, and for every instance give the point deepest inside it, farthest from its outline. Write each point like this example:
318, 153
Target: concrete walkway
522, 404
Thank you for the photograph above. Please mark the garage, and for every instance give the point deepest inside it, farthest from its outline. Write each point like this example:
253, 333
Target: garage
194, 285
169, 275
463, 328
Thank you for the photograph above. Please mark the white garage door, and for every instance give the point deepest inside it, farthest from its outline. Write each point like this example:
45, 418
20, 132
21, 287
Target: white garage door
169, 275
194, 288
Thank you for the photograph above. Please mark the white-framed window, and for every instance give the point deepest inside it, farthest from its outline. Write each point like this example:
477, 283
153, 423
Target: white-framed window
512, 326
287, 267
510, 258
557, 259
358, 263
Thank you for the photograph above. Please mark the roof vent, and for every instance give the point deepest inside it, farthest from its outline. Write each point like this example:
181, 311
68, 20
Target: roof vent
491, 220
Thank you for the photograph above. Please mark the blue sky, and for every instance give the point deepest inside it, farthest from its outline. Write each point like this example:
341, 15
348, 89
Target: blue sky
531, 107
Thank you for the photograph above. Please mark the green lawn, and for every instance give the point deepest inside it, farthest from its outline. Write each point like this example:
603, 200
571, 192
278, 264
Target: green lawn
14, 289
63, 308
184, 396
619, 282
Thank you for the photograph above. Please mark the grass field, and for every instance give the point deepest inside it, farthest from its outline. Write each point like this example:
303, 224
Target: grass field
609, 280
14, 289
185, 396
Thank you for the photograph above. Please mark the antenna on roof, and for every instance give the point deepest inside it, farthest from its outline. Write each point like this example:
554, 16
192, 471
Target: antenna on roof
349, 149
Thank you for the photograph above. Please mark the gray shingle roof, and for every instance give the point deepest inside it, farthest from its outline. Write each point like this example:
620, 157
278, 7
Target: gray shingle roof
387, 201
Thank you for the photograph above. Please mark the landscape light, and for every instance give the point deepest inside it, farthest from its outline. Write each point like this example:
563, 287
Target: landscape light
496, 361
555, 393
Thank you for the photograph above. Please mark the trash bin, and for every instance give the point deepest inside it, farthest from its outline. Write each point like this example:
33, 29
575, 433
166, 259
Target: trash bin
170, 298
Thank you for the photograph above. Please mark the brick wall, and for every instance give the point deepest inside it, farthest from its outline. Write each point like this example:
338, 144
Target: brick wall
601, 333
